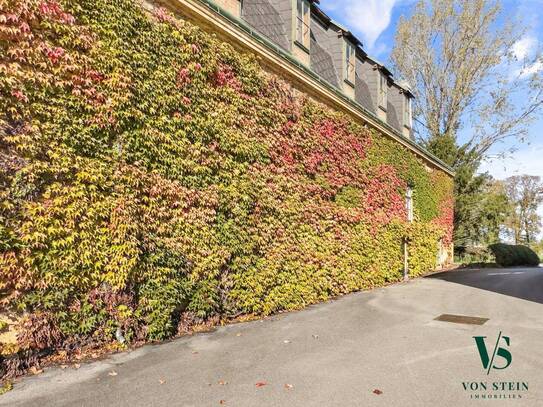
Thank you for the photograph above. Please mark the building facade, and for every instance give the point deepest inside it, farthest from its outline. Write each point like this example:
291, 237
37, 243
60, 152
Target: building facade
319, 58
331, 51
203, 162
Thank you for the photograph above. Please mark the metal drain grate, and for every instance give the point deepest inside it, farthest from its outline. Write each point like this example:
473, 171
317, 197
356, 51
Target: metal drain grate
461, 319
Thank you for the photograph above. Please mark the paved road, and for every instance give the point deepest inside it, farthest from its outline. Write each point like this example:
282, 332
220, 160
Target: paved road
332, 354
522, 283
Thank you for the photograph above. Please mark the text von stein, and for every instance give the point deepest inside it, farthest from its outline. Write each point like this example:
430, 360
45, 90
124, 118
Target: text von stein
496, 386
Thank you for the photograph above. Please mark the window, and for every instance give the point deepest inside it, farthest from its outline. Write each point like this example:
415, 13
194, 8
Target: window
407, 114
409, 204
350, 68
383, 88
302, 23
231, 6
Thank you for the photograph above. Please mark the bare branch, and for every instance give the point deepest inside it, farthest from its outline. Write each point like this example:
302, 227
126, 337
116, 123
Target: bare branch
458, 57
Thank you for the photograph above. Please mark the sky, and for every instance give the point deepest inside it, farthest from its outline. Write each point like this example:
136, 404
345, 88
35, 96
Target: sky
374, 22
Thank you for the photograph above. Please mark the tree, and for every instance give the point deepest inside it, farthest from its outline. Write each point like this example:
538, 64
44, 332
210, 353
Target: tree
525, 192
467, 74
481, 213
538, 248
473, 89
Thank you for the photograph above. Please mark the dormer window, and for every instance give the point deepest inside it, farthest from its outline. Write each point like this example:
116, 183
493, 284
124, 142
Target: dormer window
232, 6
407, 113
383, 90
302, 23
350, 67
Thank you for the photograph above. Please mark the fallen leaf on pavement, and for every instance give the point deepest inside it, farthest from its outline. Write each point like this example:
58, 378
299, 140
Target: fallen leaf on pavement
161, 381
34, 370
222, 382
378, 392
113, 373
288, 386
260, 384
222, 402
315, 336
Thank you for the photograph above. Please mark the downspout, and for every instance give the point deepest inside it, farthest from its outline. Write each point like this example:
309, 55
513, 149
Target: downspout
405, 260
409, 204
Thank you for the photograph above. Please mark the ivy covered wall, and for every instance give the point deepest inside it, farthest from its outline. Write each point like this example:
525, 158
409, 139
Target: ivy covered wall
153, 177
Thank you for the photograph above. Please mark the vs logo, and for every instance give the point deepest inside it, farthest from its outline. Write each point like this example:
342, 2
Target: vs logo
489, 362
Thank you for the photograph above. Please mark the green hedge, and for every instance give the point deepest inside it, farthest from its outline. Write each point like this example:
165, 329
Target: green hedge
153, 177
514, 255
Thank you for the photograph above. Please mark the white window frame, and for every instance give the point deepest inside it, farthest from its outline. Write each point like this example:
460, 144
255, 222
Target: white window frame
383, 90
303, 23
408, 112
349, 70
409, 204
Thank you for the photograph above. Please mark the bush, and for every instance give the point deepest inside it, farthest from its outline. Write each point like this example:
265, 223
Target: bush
151, 175
474, 255
514, 255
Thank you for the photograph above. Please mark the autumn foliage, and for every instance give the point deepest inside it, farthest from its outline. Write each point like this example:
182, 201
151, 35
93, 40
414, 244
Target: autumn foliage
152, 177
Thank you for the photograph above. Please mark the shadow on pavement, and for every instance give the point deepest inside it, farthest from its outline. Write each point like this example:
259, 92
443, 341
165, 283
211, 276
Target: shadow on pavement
523, 283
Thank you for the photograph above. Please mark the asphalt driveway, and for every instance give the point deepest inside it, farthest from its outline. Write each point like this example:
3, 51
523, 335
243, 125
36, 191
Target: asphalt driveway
378, 348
